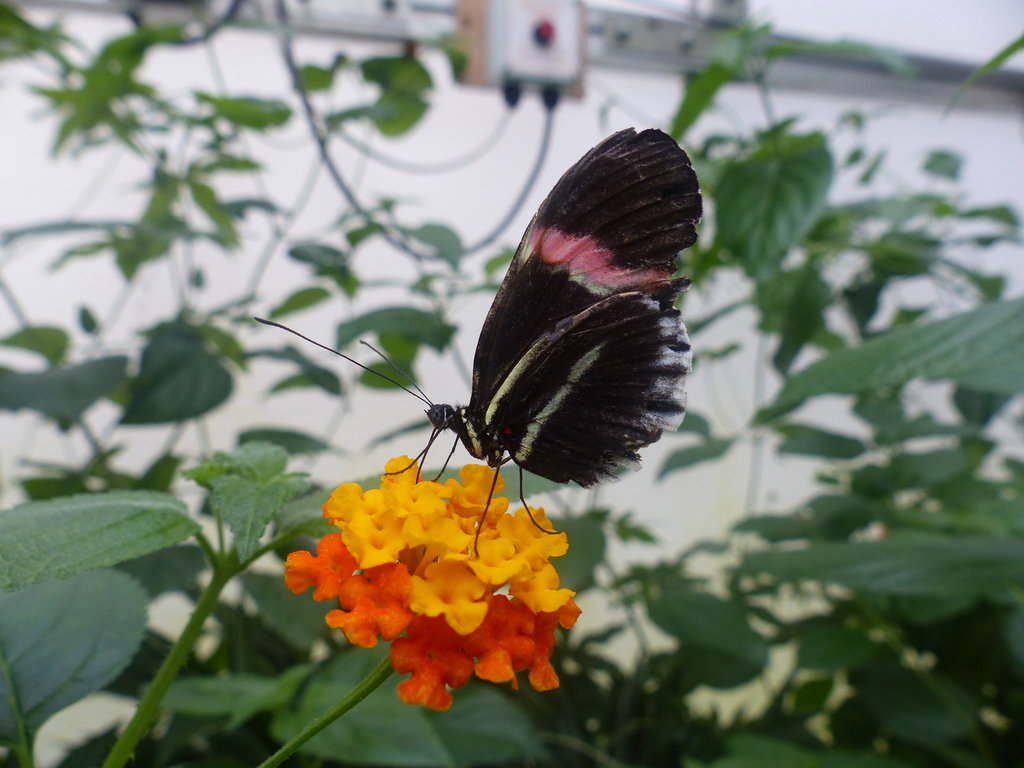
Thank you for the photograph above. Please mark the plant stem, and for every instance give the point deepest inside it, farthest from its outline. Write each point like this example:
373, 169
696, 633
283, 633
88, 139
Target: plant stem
149, 707
373, 681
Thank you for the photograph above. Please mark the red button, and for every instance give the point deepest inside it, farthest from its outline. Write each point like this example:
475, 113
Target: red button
544, 33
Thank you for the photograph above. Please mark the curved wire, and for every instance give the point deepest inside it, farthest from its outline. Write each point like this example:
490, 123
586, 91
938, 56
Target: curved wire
550, 99
443, 166
229, 15
307, 108
531, 181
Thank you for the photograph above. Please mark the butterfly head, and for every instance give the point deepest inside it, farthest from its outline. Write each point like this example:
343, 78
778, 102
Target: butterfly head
440, 416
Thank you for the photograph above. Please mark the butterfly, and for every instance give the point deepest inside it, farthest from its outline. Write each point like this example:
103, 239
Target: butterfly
582, 357
583, 354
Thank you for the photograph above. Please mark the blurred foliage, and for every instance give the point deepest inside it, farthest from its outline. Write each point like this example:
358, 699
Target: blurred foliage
882, 618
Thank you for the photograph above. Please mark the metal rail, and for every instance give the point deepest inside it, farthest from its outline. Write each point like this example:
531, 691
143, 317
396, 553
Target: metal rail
640, 42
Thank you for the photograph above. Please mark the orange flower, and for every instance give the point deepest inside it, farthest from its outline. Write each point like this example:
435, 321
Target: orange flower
404, 569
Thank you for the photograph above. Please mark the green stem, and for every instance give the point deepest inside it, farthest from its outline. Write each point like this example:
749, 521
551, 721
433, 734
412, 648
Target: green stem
149, 707
373, 681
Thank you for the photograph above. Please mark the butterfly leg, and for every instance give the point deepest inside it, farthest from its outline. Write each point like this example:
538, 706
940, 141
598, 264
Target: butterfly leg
450, 454
526, 507
487, 506
420, 456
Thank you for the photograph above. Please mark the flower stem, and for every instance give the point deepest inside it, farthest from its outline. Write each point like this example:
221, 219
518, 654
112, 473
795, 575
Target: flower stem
149, 707
373, 681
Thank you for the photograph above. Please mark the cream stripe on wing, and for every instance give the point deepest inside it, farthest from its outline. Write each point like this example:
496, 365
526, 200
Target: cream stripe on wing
575, 374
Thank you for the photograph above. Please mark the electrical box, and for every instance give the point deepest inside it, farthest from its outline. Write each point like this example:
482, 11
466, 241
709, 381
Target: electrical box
535, 41
525, 42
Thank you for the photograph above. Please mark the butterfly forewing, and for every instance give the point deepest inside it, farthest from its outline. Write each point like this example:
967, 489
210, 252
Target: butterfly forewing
582, 355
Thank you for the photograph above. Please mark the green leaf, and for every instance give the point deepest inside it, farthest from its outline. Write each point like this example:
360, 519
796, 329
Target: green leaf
248, 506
978, 408
224, 343
768, 200
587, 547
206, 198
923, 712
406, 322
236, 697
310, 374
443, 241
173, 569
793, 303
750, 750
178, 379
300, 300
805, 440
403, 82
87, 320
289, 439
299, 619
304, 517
48, 341
989, 67
249, 487
971, 566
698, 96
1013, 637
316, 78
482, 726
982, 349
943, 164
61, 641
684, 458
695, 423
485, 727
330, 262
380, 731
809, 694
63, 393
825, 644
1000, 214
19, 38
890, 58
714, 635
55, 539
248, 111
160, 474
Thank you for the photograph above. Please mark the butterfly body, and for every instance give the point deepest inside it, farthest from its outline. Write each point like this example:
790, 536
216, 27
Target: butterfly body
583, 354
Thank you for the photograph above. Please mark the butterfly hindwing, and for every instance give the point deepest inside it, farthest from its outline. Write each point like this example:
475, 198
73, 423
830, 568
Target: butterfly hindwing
582, 355
618, 366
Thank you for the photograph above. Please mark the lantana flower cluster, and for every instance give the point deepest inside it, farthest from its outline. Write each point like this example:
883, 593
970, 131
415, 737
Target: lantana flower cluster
408, 567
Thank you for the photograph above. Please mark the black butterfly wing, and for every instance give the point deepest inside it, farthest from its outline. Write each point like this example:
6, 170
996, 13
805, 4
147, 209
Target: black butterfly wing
605, 383
616, 220
582, 355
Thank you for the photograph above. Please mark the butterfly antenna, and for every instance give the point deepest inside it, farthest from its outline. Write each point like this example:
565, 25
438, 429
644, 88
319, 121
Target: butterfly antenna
417, 394
398, 370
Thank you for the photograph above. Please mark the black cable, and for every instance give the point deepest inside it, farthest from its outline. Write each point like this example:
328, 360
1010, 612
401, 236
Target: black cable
550, 98
229, 15
325, 155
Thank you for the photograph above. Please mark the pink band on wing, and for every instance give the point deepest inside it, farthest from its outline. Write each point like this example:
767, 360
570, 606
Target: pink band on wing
583, 257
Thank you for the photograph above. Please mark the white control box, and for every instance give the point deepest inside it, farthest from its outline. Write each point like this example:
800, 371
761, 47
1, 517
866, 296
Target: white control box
537, 42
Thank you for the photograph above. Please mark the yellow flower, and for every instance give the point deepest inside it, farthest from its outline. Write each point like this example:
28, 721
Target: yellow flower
404, 569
